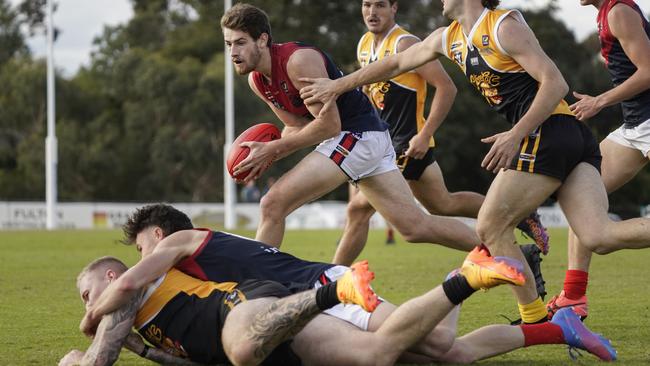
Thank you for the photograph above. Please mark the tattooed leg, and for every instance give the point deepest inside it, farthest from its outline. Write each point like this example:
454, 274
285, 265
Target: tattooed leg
280, 321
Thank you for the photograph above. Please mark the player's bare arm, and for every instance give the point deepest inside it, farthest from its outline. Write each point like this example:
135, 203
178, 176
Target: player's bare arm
264, 153
111, 333
445, 93
302, 132
165, 255
520, 43
135, 344
625, 24
324, 89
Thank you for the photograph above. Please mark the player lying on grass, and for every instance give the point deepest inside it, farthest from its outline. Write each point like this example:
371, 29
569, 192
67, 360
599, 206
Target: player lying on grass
241, 257
223, 257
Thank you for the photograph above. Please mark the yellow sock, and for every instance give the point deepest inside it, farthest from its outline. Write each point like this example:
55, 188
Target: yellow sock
533, 312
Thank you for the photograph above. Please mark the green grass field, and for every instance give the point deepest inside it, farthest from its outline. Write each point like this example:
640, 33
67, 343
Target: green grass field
40, 308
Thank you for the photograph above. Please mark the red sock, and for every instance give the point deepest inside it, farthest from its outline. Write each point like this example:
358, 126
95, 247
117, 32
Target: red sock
543, 333
575, 284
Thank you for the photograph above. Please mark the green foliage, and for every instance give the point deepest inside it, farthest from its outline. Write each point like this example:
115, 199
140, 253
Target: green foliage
145, 120
40, 308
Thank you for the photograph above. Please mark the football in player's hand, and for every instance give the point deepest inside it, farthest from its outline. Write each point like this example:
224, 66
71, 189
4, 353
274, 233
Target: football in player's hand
263, 132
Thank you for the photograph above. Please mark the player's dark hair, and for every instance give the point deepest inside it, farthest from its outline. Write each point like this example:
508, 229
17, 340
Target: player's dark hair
490, 4
166, 217
247, 18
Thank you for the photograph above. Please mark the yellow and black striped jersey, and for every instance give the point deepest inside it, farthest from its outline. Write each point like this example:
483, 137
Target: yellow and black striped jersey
184, 316
400, 100
506, 86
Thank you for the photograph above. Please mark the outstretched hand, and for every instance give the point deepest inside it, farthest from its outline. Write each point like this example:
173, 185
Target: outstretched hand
586, 106
504, 148
320, 90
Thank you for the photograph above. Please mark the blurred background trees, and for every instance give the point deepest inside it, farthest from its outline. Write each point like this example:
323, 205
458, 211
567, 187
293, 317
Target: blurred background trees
145, 120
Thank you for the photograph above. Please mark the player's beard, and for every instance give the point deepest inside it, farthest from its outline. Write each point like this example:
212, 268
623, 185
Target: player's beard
250, 64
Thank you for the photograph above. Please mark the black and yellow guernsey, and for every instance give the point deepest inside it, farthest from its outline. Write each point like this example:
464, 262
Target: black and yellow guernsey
504, 84
400, 100
184, 316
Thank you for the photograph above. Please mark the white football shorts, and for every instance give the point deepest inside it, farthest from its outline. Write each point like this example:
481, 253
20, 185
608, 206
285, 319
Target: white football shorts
360, 155
351, 313
635, 138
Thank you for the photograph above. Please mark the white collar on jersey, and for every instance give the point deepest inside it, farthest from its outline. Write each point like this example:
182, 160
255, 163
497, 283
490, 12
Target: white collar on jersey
373, 55
474, 27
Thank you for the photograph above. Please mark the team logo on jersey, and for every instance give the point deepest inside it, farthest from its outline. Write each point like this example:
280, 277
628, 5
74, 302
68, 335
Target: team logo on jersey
487, 83
386, 53
283, 85
474, 61
456, 45
485, 40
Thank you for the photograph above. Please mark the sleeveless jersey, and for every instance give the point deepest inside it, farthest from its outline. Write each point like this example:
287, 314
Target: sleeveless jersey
506, 86
356, 112
636, 110
400, 100
226, 257
184, 316
177, 303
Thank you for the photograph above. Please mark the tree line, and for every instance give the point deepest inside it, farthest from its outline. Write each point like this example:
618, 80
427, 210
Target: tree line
145, 120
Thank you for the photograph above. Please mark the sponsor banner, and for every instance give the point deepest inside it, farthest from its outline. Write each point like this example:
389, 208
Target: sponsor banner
317, 215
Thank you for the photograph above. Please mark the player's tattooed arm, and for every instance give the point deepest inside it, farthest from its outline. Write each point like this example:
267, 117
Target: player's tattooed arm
280, 321
135, 344
111, 334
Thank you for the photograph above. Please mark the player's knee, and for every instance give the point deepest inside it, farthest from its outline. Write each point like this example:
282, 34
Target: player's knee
242, 354
359, 211
437, 207
490, 227
271, 206
439, 342
412, 233
485, 230
596, 243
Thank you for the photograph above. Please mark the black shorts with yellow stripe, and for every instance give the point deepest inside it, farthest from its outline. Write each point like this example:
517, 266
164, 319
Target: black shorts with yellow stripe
411, 168
557, 146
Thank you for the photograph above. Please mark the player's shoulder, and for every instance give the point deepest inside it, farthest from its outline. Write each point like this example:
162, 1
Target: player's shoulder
405, 40
304, 56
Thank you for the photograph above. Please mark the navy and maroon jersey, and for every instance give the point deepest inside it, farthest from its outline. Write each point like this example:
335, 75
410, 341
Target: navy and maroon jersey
184, 316
357, 114
636, 110
225, 257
